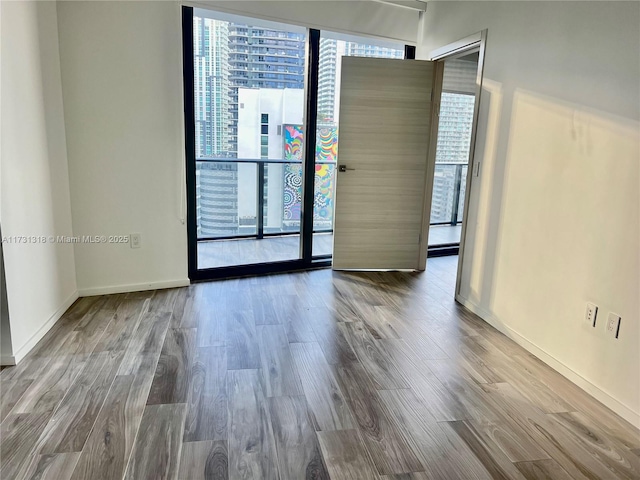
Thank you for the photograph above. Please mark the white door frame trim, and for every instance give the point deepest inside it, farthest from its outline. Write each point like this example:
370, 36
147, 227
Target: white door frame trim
458, 48
431, 167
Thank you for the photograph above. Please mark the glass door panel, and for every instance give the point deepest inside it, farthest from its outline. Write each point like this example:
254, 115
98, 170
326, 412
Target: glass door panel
452, 152
248, 90
333, 47
245, 98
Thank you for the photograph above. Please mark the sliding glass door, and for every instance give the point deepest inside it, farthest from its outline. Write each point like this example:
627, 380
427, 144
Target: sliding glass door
248, 90
457, 104
261, 123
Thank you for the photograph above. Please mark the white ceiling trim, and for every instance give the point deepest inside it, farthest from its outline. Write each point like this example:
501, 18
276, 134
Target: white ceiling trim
411, 4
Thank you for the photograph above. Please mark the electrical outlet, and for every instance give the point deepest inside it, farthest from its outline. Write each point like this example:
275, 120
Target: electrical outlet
613, 324
135, 240
591, 314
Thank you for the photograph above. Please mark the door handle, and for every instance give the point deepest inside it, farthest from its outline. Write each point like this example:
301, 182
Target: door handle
344, 168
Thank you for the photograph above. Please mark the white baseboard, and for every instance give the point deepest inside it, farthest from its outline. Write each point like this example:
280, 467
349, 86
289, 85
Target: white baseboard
618, 407
42, 331
7, 360
133, 287
36, 337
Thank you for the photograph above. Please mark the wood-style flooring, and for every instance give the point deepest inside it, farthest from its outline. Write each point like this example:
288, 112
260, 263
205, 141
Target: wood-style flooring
311, 375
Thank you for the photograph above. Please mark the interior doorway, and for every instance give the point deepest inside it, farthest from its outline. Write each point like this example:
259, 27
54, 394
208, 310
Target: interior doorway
387, 118
385, 160
248, 90
471, 50
455, 124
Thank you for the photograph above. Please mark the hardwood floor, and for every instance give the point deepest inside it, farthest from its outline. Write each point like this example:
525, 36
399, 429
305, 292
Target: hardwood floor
311, 375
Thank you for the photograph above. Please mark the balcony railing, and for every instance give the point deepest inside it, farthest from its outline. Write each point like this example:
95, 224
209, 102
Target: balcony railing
249, 197
447, 201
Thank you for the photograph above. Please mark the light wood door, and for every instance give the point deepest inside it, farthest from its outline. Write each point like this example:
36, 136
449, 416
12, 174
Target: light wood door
382, 198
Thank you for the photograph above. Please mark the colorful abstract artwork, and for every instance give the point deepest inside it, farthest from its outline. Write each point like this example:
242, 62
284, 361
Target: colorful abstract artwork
327, 144
326, 157
323, 196
292, 194
293, 143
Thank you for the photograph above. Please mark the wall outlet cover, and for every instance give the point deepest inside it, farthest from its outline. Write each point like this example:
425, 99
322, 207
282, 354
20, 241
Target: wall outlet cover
591, 314
613, 324
135, 240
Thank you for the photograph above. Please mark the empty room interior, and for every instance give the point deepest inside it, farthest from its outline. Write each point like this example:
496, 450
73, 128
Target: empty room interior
370, 239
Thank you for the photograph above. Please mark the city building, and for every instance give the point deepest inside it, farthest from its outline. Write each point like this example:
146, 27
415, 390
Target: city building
258, 62
331, 51
452, 156
232, 56
262, 117
328, 77
261, 58
211, 86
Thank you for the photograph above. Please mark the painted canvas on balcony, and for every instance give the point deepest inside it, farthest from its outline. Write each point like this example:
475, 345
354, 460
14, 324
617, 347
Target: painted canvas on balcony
326, 156
327, 144
293, 143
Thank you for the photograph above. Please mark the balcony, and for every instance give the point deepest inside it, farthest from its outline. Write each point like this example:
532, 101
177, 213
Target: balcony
448, 193
248, 210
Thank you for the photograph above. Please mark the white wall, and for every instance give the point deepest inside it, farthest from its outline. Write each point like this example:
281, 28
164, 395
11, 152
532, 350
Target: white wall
122, 85
40, 277
6, 348
556, 213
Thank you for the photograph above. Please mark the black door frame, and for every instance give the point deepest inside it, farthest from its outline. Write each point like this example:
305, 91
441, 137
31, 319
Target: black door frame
306, 261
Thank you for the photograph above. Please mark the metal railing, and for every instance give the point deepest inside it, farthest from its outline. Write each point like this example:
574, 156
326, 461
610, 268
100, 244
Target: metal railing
447, 202
225, 192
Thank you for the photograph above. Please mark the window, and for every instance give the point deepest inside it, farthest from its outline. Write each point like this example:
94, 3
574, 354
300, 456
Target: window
264, 135
246, 186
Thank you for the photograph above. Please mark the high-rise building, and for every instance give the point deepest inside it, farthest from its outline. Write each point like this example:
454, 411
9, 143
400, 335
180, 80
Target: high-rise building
356, 49
211, 84
454, 140
452, 154
454, 127
216, 183
331, 51
328, 74
263, 116
261, 58
230, 56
